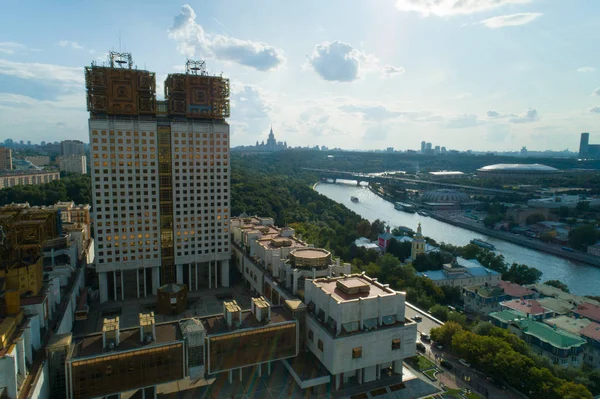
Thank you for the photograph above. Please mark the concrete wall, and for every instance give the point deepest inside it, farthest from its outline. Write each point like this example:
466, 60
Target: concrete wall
8, 372
66, 322
40, 387
376, 346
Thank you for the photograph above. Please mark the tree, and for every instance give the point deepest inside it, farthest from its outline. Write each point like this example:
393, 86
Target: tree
535, 218
522, 274
363, 228
377, 227
400, 250
443, 335
582, 236
557, 284
457, 318
547, 236
440, 312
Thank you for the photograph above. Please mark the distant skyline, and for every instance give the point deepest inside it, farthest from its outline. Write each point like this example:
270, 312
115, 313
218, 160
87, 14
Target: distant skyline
478, 74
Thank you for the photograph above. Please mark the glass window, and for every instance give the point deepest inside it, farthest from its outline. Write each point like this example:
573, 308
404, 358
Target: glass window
357, 353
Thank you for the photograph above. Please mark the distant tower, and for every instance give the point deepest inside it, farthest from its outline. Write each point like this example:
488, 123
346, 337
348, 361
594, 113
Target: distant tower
423, 147
583, 145
271, 142
418, 244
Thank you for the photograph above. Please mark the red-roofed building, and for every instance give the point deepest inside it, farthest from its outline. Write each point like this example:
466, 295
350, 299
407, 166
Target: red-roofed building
516, 290
588, 310
591, 353
530, 308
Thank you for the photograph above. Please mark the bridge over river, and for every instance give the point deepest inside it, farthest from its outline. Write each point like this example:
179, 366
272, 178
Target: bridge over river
406, 182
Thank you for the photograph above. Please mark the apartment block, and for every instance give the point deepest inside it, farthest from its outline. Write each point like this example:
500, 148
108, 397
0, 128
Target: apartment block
73, 164
24, 178
160, 178
5, 158
72, 147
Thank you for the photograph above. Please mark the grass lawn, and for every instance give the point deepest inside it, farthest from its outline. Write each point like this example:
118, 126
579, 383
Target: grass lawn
421, 363
472, 396
453, 393
431, 374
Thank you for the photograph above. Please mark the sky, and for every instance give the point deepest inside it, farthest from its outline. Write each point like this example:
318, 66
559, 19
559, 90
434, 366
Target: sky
355, 74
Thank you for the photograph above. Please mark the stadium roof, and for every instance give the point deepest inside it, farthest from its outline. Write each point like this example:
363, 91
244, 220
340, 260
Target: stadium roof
518, 167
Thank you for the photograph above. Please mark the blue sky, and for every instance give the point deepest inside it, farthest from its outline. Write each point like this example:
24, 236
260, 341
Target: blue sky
465, 74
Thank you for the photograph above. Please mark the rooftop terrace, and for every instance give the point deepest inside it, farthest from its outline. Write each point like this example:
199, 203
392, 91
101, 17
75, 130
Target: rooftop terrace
352, 287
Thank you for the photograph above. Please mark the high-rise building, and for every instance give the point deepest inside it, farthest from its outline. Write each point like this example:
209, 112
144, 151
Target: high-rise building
583, 145
5, 158
423, 147
160, 178
73, 164
587, 150
72, 147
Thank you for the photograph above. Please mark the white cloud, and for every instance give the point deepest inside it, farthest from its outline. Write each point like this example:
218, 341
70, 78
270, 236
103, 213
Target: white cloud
530, 115
596, 92
68, 43
389, 70
503, 21
586, 69
10, 47
374, 112
495, 114
340, 62
444, 8
595, 109
249, 102
191, 38
43, 72
464, 121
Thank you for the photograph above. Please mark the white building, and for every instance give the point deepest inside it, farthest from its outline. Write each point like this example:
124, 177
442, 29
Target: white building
273, 258
73, 164
357, 328
160, 186
462, 273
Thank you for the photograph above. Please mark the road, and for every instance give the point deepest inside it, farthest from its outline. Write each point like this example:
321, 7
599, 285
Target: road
456, 377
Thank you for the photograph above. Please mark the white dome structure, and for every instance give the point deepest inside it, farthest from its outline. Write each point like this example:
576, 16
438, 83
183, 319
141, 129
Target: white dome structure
518, 170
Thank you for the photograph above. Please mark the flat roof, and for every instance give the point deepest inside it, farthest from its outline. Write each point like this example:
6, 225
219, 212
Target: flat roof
311, 253
218, 324
513, 289
129, 339
529, 306
589, 310
329, 285
569, 324
592, 331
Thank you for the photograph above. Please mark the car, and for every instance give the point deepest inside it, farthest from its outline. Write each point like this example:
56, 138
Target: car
439, 346
446, 364
421, 347
417, 318
425, 338
464, 363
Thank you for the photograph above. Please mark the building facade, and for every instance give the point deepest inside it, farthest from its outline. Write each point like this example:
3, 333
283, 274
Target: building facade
72, 147
485, 299
357, 328
5, 158
462, 273
27, 178
73, 164
160, 178
561, 347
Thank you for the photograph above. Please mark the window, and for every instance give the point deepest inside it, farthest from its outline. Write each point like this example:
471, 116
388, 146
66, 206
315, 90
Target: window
311, 335
320, 345
396, 344
357, 353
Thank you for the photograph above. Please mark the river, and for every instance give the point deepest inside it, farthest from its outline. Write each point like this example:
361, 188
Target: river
581, 278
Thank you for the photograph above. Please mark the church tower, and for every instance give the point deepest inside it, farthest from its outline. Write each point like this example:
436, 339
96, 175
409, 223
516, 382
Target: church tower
418, 244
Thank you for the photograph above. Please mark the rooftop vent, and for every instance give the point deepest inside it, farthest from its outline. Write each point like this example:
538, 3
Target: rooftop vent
147, 327
352, 286
110, 332
261, 309
232, 313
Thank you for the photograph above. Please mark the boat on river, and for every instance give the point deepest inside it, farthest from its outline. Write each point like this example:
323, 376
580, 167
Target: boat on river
354, 199
483, 244
401, 206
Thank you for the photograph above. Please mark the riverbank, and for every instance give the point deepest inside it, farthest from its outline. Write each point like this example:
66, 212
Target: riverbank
512, 238
522, 241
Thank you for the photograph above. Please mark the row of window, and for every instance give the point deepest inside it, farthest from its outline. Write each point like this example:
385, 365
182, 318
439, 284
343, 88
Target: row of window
356, 352
155, 256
